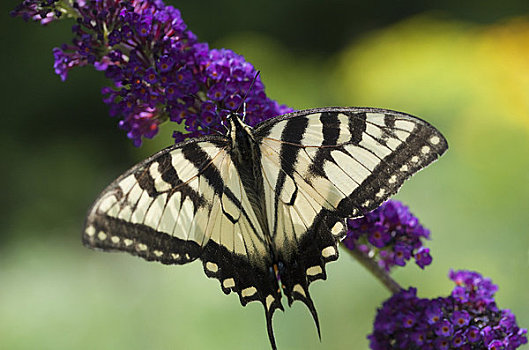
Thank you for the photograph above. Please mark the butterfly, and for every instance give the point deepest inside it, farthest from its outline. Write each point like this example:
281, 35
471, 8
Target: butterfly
263, 208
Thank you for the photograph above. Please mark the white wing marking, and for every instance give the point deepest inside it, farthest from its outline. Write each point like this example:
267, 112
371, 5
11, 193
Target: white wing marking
352, 168
139, 211
376, 118
107, 202
170, 214
212, 219
127, 183
374, 131
363, 156
322, 190
405, 125
184, 169
313, 135
184, 219
233, 183
345, 135
368, 142
154, 214
339, 179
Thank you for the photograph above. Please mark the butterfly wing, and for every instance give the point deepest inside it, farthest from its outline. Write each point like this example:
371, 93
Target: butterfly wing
183, 203
321, 166
318, 167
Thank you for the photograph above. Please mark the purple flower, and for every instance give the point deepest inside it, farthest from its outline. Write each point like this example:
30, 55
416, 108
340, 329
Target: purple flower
402, 253
495, 345
217, 91
458, 340
472, 334
408, 320
441, 343
472, 287
444, 328
165, 63
423, 257
151, 76
379, 236
433, 312
64, 61
159, 71
473, 322
460, 318
233, 102
144, 28
392, 235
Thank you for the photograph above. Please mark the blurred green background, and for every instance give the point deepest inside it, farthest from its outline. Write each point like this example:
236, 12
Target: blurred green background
464, 67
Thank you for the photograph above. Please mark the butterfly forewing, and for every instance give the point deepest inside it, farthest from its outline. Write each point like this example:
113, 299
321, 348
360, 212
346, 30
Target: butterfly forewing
159, 209
349, 159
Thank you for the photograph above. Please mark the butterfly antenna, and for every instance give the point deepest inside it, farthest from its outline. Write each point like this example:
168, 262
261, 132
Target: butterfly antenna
243, 103
218, 132
222, 122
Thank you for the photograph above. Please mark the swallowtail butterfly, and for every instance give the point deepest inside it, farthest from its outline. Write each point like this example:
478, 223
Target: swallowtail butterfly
263, 208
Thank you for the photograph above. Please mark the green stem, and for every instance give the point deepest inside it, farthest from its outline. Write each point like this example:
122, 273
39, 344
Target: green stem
372, 266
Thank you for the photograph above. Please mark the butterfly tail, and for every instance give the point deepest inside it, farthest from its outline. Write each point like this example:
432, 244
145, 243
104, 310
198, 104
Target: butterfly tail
270, 306
302, 294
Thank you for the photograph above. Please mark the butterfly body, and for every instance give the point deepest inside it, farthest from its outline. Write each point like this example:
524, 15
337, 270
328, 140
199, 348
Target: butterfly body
263, 207
244, 152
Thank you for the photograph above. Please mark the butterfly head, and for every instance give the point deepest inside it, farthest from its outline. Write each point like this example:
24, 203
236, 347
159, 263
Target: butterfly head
237, 129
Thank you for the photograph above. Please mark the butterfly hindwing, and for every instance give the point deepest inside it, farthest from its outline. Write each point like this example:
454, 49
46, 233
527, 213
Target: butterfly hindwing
237, 253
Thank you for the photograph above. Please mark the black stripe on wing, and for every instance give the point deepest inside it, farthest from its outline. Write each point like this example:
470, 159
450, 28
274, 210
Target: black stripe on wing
111, 234
331, 129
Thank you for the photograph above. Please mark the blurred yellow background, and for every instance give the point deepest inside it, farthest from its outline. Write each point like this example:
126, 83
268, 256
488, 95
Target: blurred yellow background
468, 77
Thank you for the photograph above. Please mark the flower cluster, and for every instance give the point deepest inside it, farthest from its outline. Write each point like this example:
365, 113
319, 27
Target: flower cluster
391, 235
40, 11
467, 319
158, 68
